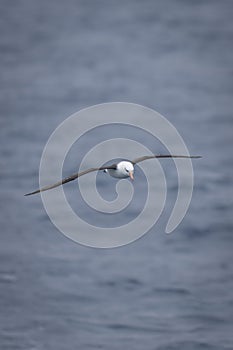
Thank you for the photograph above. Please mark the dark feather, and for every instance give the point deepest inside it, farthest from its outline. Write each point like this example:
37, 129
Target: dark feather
141, 159
71, 178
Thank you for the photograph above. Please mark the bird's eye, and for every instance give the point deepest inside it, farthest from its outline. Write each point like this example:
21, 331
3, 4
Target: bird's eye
127, 170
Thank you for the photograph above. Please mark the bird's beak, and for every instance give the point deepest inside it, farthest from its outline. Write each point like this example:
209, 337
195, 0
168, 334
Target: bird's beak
131, 175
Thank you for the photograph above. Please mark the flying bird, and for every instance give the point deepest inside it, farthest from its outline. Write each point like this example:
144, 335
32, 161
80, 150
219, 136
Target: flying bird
121, 170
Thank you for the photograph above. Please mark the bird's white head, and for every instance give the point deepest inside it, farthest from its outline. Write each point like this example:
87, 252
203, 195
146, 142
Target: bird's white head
126, 168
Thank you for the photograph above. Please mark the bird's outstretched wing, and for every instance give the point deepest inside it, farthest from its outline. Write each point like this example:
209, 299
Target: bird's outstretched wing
141, 159
70, 178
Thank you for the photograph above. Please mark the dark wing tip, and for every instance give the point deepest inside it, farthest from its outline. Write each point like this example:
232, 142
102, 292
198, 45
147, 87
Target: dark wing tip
30, 193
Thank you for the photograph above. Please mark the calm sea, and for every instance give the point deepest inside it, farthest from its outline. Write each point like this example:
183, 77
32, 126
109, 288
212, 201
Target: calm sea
161, 292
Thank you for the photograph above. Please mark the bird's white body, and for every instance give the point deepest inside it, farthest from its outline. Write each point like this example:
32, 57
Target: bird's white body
123, 170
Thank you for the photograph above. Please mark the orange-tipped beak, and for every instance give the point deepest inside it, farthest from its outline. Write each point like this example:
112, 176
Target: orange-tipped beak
131, 175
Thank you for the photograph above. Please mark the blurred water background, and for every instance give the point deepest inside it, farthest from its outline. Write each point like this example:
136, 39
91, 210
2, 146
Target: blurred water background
161, 292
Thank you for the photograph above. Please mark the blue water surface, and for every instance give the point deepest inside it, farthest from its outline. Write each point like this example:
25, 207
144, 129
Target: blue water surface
161, 292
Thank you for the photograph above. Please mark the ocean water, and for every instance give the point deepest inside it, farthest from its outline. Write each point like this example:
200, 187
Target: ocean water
162, 292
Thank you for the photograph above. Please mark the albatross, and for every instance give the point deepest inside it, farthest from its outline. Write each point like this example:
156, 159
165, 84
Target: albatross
121, 170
